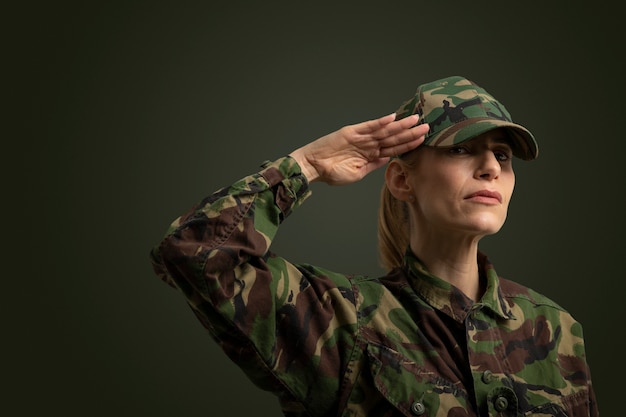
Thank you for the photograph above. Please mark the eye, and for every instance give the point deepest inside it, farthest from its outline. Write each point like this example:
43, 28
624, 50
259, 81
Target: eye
458, 150
503, 155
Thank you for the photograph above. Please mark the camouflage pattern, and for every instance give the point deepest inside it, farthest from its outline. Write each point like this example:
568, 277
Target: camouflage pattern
330, 344
457, 110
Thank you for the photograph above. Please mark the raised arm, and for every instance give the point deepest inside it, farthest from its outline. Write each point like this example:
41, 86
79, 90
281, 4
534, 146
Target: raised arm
274, 318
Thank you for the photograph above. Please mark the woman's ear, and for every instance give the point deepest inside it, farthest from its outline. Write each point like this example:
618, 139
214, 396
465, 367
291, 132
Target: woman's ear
397, 181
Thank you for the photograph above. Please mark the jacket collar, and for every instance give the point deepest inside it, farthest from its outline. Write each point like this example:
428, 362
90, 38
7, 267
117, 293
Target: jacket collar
448, 299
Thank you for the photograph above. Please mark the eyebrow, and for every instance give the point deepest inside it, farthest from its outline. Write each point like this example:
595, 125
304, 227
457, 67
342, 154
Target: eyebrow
505, 139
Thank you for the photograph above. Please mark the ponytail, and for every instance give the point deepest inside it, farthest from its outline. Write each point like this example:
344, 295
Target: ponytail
393, 229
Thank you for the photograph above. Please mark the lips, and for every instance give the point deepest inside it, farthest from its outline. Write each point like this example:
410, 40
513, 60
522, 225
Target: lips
485, 196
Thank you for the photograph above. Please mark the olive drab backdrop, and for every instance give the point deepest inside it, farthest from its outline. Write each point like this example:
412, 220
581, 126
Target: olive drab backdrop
121, 115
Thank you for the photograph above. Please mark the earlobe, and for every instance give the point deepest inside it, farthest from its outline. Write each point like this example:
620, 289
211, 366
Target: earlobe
397, 181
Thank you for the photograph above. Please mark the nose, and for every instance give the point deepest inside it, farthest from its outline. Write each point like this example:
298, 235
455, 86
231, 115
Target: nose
488, 166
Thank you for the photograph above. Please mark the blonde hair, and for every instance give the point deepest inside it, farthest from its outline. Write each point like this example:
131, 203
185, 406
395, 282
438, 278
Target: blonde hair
393, 224
393, 229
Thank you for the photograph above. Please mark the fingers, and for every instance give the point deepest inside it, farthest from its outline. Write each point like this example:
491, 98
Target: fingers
370, 126
402, 147
403, 139
391, 137
386, 125
396, 127
389, 132
395, 136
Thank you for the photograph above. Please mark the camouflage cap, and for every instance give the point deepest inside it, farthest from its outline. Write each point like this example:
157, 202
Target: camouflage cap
458, 110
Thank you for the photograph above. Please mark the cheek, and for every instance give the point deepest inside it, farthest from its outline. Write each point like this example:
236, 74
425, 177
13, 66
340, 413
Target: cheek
438, 189
435, 201
426, 191
509, 187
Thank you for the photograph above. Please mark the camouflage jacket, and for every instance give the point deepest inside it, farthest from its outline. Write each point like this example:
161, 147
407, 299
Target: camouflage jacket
327, 344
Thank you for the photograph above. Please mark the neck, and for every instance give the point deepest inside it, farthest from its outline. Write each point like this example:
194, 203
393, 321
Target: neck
453, 260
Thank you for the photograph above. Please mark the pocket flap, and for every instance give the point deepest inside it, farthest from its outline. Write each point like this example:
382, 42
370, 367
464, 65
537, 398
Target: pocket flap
411, 388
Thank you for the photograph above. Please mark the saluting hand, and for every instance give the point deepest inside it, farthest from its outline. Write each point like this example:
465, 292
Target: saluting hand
352, 152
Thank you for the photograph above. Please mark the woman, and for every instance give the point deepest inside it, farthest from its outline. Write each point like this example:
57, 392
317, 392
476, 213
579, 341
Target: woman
441, 334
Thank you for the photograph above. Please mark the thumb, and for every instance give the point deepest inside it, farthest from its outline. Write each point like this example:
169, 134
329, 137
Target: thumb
376, 164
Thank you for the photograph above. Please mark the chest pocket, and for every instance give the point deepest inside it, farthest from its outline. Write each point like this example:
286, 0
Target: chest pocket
575, 405
410, 388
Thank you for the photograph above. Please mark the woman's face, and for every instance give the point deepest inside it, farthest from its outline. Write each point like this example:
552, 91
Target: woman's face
466, 188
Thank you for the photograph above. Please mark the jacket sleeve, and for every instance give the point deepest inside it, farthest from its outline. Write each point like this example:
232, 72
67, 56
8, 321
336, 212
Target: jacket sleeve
289, 327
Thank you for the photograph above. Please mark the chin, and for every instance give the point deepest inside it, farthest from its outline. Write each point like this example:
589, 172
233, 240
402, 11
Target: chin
487, 225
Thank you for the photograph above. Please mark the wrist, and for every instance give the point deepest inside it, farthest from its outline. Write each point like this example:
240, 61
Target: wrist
308, 170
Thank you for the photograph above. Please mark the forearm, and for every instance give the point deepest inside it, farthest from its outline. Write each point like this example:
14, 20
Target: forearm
250, 300
226, 229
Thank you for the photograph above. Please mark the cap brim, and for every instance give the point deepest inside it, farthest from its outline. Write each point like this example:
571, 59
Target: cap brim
524, 146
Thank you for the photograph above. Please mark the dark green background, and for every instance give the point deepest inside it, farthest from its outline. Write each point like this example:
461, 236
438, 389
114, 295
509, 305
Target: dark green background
122, 115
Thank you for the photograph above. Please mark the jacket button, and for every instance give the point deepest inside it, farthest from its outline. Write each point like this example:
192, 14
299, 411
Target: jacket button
418, 408
500, 403
487, 377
